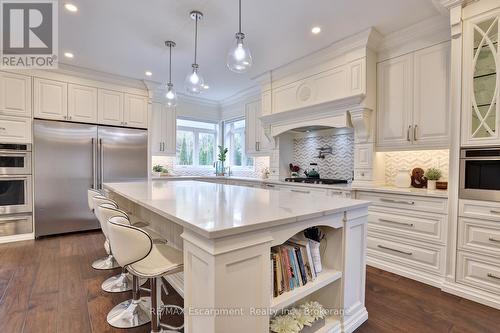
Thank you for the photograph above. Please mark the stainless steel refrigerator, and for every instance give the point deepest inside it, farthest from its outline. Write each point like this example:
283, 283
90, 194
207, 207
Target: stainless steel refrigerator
70, 158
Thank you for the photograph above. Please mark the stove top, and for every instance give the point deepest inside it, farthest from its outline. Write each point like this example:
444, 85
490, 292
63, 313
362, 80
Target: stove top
323, 181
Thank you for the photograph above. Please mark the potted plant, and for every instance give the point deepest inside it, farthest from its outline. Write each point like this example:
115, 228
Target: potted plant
294, 170
157, 170
432, 175
219, 165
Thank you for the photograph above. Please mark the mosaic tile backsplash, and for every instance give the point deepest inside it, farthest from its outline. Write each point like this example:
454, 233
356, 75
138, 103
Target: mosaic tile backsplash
408, 160
339, 165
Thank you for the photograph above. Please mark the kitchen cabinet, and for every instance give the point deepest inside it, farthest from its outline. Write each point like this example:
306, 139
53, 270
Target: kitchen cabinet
135, 112
15, 95
15, 129
110, 107
82, 103
480, 84
413, 100
50, 99
163, 130
407, 235
256, 141
119, 109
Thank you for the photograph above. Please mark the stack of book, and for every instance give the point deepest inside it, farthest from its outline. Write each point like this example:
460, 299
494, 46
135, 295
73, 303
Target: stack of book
292, 266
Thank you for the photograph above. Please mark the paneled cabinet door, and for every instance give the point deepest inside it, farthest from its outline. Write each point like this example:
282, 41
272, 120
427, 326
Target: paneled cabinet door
135, 112
110, 107
251, 128
395, 91
50, 99
15, 94
480, 83
169, 130
82, 103
156, 135
431, 110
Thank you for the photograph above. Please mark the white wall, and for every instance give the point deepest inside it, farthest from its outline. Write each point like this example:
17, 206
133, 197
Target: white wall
198, 111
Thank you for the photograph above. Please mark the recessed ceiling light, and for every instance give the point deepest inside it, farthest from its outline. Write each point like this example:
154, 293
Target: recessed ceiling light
148, 73
70, 7
206, 86
69, 55
316, 30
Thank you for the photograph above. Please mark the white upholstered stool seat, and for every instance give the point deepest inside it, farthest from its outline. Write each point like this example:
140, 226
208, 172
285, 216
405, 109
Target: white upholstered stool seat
123, 281
107, 262
135, 249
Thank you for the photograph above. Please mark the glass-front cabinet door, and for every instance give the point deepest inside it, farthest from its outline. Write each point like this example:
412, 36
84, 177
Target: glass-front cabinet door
481, 108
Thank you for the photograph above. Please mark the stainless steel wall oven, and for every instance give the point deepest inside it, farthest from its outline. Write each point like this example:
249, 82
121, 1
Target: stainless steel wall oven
480, 174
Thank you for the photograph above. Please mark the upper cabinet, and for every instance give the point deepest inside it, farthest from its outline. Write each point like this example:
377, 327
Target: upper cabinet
163, 130
413, 100
15, 95
50, 99
79, 103
82, 103
481, 66
257, 142
110, 107
135, 113
119, 109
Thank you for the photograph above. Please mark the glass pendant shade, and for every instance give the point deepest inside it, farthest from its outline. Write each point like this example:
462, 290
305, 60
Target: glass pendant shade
194, 81
239, 58
171, 96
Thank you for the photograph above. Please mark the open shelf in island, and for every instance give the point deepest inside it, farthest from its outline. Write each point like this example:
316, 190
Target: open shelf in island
288, 298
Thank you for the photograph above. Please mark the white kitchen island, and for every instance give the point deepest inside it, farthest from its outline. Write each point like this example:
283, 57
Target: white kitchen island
226, 233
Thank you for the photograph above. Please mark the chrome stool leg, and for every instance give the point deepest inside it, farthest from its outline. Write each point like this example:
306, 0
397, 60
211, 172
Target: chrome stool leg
105, 263
120, 283
131, 313
157, 311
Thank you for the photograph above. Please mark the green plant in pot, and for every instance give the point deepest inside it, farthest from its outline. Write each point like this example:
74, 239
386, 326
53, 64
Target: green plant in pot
158, 170
432, 175
219, 165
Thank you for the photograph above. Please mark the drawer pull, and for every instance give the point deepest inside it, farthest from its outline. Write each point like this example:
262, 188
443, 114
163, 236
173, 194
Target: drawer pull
493, 276
494, 240
300, 191
270, 185
395, 250
495, 211
396, 222
398, 201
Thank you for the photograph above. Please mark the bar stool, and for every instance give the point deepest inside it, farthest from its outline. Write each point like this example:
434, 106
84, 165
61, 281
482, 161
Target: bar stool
107, 262
135, 250
123, 281
90, 194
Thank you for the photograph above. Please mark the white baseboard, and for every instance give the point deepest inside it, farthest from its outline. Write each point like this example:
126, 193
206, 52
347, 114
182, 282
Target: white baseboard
427, 278
354, 321
457, 289
17, 238
473, 294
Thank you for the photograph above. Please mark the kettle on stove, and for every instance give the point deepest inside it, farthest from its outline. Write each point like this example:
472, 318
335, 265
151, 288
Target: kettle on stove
312, 172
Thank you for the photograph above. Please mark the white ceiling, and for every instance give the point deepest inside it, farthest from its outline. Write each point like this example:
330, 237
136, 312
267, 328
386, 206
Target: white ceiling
126, 37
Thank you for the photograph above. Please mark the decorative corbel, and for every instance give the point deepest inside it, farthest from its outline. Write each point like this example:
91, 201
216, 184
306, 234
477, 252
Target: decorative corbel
361, 120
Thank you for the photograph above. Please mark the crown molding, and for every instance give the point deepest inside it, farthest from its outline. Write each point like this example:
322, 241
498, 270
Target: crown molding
433, 30
242, 96
447, 4
360, 41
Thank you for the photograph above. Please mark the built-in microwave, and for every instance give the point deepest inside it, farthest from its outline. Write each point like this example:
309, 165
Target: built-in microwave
15, 194
15, 159
480, 174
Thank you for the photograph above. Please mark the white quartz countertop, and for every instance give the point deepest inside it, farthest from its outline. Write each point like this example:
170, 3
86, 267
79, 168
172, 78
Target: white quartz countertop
216, 210
342, 187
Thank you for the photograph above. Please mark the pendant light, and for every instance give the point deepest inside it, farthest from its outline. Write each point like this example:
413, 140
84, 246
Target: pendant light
239, 58
170, 95
194, 81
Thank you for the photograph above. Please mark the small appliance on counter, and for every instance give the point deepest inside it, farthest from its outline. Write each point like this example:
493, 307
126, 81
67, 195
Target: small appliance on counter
312, 172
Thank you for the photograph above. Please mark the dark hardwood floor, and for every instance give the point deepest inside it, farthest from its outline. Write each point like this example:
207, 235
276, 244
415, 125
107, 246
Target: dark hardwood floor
50, 286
